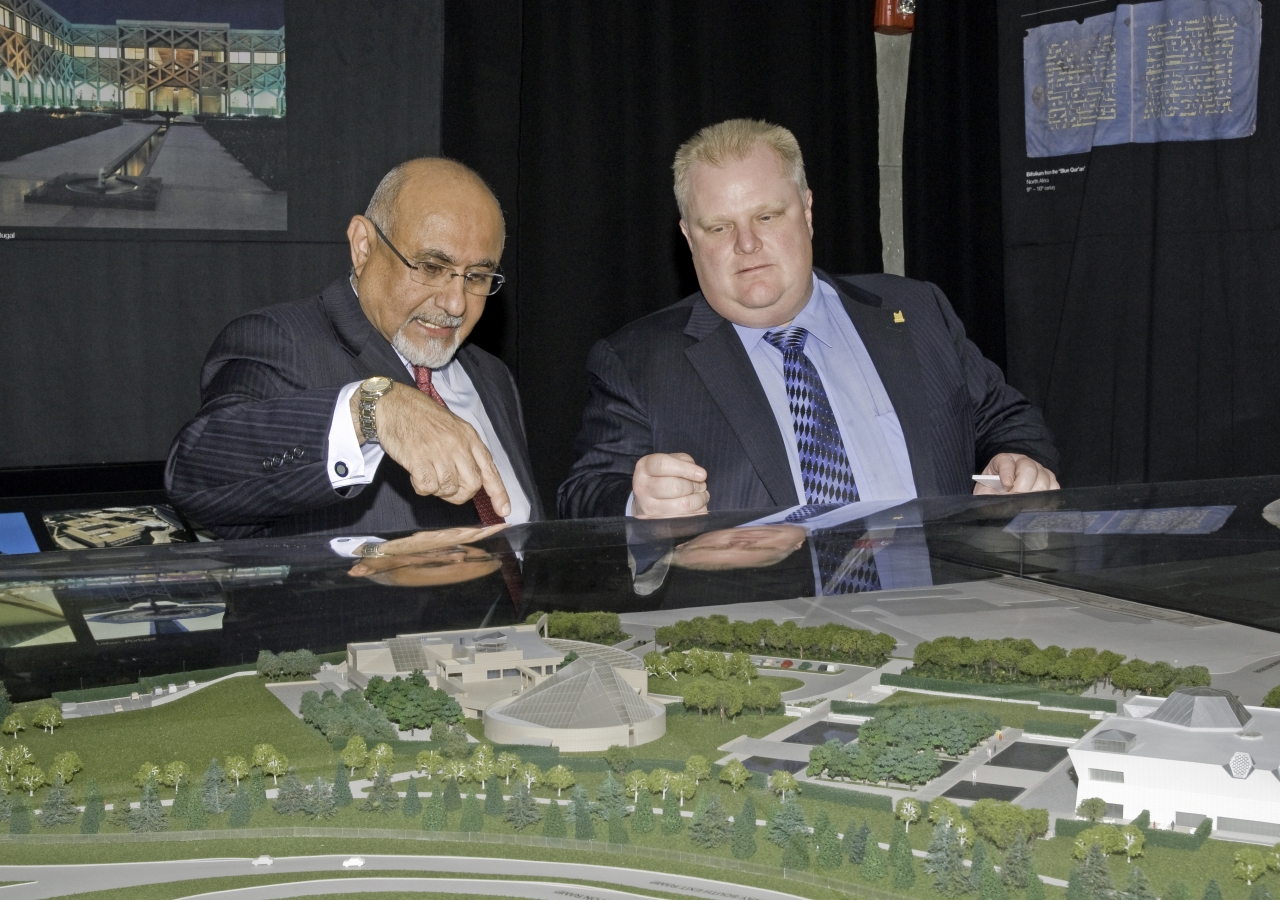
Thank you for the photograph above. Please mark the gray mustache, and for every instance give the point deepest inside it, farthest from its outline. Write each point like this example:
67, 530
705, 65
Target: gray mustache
441, 322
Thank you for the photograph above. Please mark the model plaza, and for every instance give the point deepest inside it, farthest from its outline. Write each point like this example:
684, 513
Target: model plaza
182, 67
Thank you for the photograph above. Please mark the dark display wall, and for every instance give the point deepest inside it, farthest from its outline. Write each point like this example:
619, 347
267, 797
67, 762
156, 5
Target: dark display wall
1142, 286
104, 331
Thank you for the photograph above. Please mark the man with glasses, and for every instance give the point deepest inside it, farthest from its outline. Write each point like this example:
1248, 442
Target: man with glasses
303, 402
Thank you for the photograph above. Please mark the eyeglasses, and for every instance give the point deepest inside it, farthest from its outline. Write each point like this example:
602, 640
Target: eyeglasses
483, 284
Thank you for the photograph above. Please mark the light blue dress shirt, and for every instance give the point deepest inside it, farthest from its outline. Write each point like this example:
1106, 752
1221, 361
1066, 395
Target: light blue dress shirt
868, 424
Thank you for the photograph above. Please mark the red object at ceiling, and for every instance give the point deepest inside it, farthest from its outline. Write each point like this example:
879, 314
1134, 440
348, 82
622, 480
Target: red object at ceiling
889, 20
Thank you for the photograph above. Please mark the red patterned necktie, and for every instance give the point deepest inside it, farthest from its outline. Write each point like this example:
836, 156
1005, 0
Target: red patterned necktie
484, 506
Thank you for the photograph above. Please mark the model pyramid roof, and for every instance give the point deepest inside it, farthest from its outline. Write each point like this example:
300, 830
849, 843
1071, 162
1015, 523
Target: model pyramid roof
584, 694
1202, 707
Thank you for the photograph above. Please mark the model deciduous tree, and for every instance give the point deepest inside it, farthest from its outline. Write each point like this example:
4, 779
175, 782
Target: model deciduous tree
735, 774
908, 811
783, 783
355, 754
47, 717
698, 769
1092, 809
66, 764
619, 758
560, 778
13, 724
236, 767
145, 773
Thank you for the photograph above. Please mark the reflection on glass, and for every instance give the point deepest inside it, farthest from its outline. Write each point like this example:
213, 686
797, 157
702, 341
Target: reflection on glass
433, 568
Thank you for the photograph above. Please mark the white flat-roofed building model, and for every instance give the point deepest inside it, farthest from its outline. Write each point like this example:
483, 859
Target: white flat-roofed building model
475, 667
1198, 754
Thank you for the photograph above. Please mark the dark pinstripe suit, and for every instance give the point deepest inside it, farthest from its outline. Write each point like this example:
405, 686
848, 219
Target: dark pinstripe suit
679, 380
252, 461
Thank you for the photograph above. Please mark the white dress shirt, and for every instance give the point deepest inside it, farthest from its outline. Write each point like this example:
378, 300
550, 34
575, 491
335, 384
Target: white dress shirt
351, 463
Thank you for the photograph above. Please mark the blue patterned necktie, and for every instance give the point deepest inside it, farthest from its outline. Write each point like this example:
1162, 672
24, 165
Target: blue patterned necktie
841, 571
824, 465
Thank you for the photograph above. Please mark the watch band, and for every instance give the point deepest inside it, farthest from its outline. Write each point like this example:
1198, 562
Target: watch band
370, 390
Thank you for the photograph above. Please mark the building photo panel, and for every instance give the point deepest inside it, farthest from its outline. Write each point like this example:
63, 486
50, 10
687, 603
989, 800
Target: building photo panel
143, 114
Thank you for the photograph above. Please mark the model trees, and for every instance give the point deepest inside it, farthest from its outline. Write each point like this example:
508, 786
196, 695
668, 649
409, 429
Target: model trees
298, 664
735, 774
411, 702
594, 627
1006, 660
338, 718
831, 641
48, 717
1001, 822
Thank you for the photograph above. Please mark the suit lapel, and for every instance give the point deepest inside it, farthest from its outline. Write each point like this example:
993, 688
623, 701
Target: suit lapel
724, 367
891, 350
372, 353
505, 418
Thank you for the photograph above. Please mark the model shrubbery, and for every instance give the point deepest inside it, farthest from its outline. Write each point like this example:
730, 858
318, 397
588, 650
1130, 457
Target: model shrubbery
596, 627
831, 641
294, 664
338, 719
411, 702
1017, 660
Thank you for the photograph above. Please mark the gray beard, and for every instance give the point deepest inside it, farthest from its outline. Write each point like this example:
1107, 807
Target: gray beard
437, 354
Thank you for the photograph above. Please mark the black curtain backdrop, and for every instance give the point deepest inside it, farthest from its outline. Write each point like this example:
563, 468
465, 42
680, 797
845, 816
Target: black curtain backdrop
951, 165
605, 94
1143, 290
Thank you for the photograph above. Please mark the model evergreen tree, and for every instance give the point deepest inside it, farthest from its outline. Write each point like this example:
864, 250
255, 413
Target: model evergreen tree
1139, 887
451, 795
382, 795
6, 806
319, 800
796, 853
975, 868
290, 798
856, 842
901, 862
786, 821
580, 815
182, 800
342, 787
412, 802
709, 827
830, 853
95, 810
150, 814
1075, 885
1212, 891
1259, 892
215, 793
1035, 887
617, 829
642, 818
473, 814
874, 864
553, 824
990, 887
242, 809
1178, 891
1017, 863
744, 831
611, 798
119, 815
433, 816
256, 787
58, 807
522, 810
494, 804
945, 861
672, 823
19, 817
1096, 875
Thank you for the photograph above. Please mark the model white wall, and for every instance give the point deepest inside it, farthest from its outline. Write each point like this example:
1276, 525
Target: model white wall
1165, 787
500, 729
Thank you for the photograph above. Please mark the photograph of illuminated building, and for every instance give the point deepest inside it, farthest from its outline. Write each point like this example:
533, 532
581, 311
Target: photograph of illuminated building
108, 120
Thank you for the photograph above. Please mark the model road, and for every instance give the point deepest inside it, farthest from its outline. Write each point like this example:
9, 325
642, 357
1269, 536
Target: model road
533, 890
40, 882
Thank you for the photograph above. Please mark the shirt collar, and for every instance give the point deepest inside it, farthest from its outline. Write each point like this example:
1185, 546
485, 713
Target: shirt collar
814, 318
446, 368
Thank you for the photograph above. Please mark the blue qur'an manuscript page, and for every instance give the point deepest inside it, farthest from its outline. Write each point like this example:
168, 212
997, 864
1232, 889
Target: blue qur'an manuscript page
1173, 70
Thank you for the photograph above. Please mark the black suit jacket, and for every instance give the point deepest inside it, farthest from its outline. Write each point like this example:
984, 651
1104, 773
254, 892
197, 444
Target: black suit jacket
253, 460
679, 380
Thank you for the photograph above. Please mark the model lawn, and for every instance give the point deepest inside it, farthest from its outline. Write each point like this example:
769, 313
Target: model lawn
160, 759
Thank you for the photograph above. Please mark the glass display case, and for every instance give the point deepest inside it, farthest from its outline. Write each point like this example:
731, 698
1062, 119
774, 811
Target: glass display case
1181, 554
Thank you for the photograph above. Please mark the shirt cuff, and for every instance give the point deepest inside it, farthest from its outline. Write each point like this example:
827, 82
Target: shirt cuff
350, 546
349, 463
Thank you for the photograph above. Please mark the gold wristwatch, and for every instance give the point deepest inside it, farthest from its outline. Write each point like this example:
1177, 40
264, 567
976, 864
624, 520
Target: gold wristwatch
370, 390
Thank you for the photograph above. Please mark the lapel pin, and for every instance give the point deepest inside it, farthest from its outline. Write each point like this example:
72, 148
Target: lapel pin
898, 318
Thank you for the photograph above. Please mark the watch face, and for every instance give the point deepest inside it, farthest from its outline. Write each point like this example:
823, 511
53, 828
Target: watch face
376, 385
